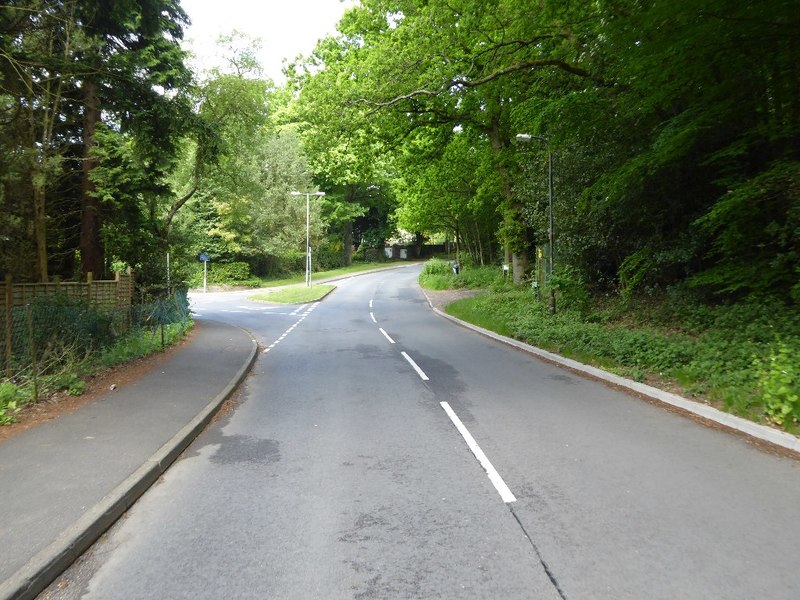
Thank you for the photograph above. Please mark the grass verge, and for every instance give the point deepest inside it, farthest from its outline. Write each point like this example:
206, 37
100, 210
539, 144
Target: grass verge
739, 357
294, 295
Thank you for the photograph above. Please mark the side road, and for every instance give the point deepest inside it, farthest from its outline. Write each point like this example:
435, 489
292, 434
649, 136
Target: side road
63, 483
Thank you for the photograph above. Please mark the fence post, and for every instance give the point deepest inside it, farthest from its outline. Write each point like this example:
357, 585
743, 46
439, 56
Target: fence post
34, 366
89, 279
9, 324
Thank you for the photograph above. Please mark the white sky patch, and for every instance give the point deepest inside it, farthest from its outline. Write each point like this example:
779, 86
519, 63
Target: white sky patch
286, 28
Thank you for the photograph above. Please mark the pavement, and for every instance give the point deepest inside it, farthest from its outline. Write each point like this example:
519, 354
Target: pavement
64, 482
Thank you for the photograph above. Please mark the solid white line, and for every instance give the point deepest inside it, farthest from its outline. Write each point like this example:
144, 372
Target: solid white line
386, 335
419, 371
494, 476
372, 317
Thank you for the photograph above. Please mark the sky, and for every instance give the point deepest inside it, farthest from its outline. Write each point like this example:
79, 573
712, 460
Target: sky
286, 27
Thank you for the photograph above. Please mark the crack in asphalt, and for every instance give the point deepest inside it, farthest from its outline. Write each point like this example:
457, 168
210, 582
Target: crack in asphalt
550, 575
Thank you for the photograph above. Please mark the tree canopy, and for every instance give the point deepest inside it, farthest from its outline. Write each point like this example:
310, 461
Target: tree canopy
674, 130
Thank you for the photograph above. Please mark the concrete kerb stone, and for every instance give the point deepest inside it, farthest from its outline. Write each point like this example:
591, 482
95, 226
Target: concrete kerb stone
31, 579
761, 433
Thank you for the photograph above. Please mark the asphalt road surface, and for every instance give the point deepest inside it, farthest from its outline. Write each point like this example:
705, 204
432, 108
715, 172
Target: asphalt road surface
380, 451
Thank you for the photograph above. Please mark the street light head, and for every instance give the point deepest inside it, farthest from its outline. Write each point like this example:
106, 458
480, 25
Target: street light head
524, 137
295, 193
318, 194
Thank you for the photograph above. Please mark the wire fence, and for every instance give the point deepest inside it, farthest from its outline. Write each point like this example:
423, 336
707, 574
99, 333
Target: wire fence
44, 335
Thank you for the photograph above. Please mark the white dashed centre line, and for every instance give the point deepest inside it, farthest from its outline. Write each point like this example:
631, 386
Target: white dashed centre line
494, 476
299, 320
386, 335
419, 371
372, 316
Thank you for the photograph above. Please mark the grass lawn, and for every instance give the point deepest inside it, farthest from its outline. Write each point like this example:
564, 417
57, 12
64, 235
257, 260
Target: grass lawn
354, 268
294, 295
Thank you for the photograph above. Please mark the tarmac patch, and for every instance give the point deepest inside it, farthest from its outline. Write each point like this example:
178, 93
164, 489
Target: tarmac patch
246, 449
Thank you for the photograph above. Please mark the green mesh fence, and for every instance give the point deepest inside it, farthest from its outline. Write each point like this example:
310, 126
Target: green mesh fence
41, 337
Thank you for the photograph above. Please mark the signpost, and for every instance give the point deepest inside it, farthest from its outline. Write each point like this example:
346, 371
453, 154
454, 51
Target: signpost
204, 258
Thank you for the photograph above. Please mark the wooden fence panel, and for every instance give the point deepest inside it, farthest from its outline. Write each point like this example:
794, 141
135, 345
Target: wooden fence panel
116, 293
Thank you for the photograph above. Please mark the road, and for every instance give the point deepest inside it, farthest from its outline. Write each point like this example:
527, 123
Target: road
380, 451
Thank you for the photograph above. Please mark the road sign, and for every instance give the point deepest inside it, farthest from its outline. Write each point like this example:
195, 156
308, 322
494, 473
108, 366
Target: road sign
204, 257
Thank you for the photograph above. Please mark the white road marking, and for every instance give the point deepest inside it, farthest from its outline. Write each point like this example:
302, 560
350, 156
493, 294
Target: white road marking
372, 316
292, 328
370, 303
419, 371
386, 335
494, 476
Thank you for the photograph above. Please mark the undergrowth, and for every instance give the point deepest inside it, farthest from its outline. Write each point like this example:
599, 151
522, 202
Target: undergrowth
76, 366
741, 357
438, 275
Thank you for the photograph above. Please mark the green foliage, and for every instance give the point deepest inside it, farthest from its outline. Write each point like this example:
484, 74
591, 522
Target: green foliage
226, 273
438, 275
67, 67
137, 343
11, 398
755, 227
779, 382
708, 350
468, 310
328, 256
571, 289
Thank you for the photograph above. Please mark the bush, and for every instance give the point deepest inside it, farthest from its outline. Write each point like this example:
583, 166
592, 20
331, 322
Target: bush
779, 383
328, 257
438, 275
571, 289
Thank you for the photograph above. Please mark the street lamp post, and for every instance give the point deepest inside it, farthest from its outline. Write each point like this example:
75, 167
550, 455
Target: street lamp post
525, 138
308, 230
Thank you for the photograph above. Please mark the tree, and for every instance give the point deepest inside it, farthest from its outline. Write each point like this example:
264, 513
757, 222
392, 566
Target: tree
448, 186
131, 65
410, 64
63, 67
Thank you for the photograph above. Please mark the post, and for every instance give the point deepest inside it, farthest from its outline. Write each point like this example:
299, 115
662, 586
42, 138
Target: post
129, 305
308, 230
34, 365
89, 279
205, 276
551, 232
9, 324
168, 289
308, 240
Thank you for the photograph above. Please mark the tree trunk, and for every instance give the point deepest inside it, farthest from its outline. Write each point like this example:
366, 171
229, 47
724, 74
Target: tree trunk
347, 250
90, 243
40, 225
518, 242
